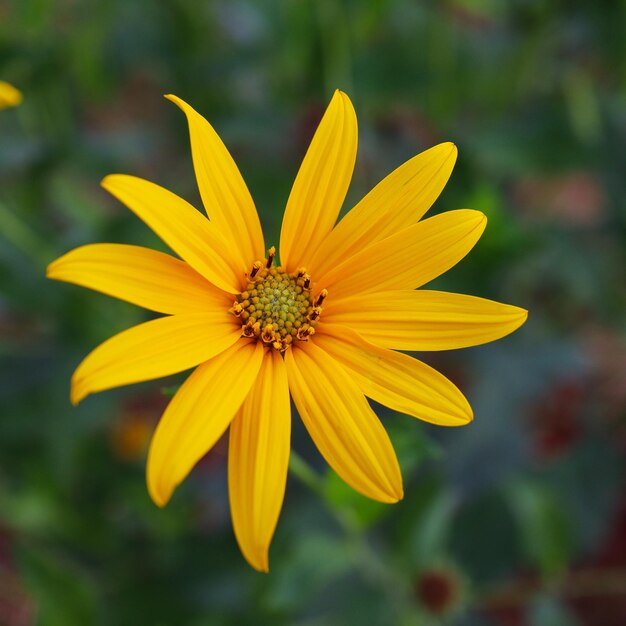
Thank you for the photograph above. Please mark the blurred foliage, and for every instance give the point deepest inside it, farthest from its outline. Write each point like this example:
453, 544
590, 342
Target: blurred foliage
517, 519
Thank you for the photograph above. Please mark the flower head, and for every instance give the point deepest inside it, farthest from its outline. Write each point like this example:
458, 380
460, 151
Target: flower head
9, 95
323, 325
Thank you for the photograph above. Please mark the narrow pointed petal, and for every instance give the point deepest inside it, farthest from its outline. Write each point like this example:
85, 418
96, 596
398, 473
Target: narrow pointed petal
425, 320
258, 458
224, 193
182, 228
321, 184
147, 278
410, 258
342, 424
154, 349
396, 380
198, 415
399, 200
9, 95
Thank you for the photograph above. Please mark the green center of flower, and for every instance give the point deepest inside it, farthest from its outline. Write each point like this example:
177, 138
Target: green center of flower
277, 307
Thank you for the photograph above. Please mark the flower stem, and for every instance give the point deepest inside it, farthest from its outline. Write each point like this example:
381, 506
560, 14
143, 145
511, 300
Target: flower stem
305, 473
19, 233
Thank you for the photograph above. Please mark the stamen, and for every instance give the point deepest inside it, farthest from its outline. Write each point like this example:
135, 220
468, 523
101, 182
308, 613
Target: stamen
314, 314
304, 332
256, 266
271, 253
236, 309
322, 296
303, 279
268, 334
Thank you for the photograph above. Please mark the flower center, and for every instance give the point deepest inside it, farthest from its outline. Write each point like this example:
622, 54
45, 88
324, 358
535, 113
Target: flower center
277, 307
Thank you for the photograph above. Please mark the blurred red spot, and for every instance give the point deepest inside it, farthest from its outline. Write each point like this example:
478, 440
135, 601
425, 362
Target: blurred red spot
438, 590
606, 349
556, 422
17, 608
575, 198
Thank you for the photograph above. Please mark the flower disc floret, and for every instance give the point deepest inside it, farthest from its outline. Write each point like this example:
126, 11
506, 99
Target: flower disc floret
277, 307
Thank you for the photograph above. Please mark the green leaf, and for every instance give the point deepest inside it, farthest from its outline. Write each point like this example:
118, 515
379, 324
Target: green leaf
426, 522
65, 594
357, 510
543, 524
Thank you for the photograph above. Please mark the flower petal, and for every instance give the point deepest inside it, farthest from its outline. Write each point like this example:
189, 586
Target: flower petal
198, 415
145, 277
321, 184
224, 193
258, 458
182, 228
154, 349
408, 259
398, 201
425, 320
342, 424
9, 95
394, 379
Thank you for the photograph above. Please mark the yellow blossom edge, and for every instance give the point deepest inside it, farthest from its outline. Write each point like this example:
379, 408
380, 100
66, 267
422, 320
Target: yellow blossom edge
10, 96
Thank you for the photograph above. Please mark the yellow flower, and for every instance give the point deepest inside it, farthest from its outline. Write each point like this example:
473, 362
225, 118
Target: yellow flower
9, 95
323, 326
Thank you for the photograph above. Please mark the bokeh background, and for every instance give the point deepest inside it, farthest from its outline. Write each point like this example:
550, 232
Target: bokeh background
518, 519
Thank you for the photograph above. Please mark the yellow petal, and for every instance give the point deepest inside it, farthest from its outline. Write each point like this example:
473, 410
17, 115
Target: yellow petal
408, 259
224, 193
398, 201
425, 320
321, 184
9, 95
182, 228
154, 349
198, 415
342, 424
394, 379
145, 277
258, 457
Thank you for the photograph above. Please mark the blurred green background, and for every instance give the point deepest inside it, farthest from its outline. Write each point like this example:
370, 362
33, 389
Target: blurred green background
518, 519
